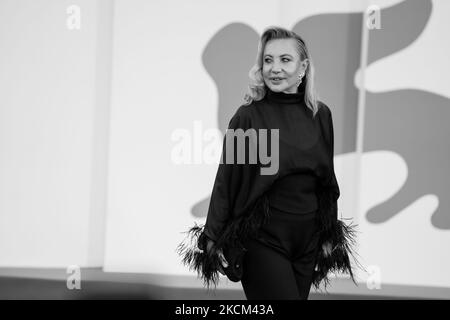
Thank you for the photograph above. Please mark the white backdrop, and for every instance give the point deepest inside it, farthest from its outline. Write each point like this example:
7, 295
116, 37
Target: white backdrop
160, 85
53, 117
66, 178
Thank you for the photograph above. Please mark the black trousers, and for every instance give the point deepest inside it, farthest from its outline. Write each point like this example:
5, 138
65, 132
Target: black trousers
280, 262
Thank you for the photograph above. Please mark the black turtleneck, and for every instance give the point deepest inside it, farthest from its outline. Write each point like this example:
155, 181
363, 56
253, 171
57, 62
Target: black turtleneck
305, 161
294, 191
286, 98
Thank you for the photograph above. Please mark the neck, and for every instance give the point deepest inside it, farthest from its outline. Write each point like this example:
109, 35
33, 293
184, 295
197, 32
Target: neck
286, 97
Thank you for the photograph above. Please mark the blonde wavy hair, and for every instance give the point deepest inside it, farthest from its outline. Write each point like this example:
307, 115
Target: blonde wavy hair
257, 88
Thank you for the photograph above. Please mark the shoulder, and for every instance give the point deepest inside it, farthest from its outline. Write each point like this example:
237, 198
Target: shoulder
325, 113
324, 110
243, 116
245, 111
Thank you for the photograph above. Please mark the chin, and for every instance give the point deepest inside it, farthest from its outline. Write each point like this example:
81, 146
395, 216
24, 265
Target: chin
276, 88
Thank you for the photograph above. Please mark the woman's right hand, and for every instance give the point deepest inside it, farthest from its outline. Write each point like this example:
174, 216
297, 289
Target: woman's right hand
211, 250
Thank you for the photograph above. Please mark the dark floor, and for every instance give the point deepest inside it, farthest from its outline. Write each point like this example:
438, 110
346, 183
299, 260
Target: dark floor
25, 288
29, 283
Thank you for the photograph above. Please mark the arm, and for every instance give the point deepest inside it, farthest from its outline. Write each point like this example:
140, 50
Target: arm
333, 184
225, 184
337, 238
230, 179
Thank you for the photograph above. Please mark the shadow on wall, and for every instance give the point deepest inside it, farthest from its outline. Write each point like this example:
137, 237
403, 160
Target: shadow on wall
334, 41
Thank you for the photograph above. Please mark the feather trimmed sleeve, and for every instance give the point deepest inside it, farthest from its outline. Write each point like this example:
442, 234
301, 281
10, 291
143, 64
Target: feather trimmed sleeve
228, 180
333, 232
332, 185
228, 198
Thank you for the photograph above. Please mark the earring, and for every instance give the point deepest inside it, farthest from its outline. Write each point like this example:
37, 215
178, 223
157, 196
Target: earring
300, 79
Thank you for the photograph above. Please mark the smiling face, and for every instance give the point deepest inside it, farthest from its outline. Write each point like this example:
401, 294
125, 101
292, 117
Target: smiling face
282, 65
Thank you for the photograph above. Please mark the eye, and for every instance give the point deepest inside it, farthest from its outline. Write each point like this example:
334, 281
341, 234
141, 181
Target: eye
286, 59
266, 60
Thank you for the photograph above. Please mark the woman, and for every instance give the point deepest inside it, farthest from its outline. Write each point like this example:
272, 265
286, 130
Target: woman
284, 225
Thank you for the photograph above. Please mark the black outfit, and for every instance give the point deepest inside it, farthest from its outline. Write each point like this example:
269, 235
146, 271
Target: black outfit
305, 161
283, 218
280, 262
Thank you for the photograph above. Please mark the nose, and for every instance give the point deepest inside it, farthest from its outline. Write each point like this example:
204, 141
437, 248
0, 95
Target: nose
276, 68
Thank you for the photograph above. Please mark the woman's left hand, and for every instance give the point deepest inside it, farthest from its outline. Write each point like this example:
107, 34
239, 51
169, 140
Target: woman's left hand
326, 247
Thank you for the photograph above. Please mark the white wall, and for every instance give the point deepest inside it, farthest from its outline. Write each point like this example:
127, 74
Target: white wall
53, 121
161, 84
68, 196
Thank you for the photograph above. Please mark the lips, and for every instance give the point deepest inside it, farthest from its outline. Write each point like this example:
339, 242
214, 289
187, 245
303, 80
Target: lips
276, 80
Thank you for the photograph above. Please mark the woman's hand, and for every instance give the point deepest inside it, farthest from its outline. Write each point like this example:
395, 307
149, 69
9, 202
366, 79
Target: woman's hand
326, 247
211, 250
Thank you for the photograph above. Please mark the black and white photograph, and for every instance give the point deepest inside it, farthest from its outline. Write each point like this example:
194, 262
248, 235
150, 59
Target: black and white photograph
224, 155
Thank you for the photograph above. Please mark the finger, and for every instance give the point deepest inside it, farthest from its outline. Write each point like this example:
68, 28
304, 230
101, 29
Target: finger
326, 250
209, 246
224, 261
220, 269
